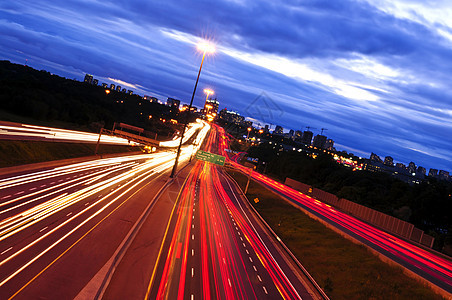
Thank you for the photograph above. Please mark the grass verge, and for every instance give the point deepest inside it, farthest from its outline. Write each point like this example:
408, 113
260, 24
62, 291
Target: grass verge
343, 269
14, 153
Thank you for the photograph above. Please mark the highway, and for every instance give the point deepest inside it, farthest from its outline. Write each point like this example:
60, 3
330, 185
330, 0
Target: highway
216, 248
17, 131
434, 268
59, 226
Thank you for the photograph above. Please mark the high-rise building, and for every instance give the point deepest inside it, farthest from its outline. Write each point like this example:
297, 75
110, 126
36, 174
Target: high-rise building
210, 110
173, 103
389, 161
319, 141
231, 116
329, 144
104, 85
112, 86
297, 135
95, 81
433, 172
443, 175
266, 129
401, 166
421, 171
124, 90
306, 138
118, 88
130, 92
375, 157
88, 79
278, 130
412, 168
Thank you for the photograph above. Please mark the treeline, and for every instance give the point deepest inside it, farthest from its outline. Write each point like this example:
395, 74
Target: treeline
427, 205
42, 96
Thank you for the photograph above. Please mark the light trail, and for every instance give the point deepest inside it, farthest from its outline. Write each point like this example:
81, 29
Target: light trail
436, 267
229, 246
99, 186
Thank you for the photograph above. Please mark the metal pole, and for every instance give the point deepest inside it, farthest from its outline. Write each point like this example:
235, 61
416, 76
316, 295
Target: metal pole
173, 171
248, 183
98, 141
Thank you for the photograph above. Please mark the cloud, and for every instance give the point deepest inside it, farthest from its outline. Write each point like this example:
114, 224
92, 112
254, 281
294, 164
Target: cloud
375, 73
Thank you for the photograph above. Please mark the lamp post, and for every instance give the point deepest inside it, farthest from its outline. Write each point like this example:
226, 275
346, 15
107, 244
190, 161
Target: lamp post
205, 48
248, 135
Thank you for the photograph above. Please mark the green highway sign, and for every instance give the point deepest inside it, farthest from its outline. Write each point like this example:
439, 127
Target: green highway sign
210, 157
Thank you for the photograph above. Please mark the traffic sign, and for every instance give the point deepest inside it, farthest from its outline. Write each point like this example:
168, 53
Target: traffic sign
210, 157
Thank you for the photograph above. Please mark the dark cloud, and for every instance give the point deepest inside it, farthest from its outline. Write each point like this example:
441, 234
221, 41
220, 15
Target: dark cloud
122, 40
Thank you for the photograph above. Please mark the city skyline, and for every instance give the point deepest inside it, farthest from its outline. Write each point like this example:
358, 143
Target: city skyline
374, 73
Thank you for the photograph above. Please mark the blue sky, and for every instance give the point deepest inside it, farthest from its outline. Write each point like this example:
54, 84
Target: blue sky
377, 74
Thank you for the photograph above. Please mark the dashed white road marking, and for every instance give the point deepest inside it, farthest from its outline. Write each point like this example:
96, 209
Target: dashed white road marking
192, 272
251, 260
244, 245
192, 252
254, 267
258, 277
247, 251
192, 297
265, 290
192, 236
229, 280
18, 193
6, 197
32, 189
6, 250
69, 214
43, 229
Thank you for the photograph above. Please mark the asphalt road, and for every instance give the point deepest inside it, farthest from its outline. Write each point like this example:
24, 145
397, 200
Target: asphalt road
216, 249
433, 267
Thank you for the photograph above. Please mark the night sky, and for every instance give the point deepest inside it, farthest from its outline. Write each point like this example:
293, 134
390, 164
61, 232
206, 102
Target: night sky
377, 74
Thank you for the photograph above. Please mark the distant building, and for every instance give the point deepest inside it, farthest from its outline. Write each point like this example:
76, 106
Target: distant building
278, 130
306, 138
104, 85
401, 167
266, 129
412, 168
433, 173
329, 144
118, 88
173, 103
375, 157
319, 141
231, 116
420, 171
124, 90
88, 79
95, 81
389, 161
210, 109
443, 175
112, 86
297, 135
130, 92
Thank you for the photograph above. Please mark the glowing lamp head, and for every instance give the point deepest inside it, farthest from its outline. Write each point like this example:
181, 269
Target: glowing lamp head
208, 91
249, 129
206, 47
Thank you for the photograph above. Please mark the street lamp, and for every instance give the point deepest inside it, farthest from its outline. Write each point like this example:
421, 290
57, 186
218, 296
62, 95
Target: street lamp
205, 48
248, 135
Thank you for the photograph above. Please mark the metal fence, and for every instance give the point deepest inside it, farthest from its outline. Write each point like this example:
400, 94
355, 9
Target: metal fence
369, 215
